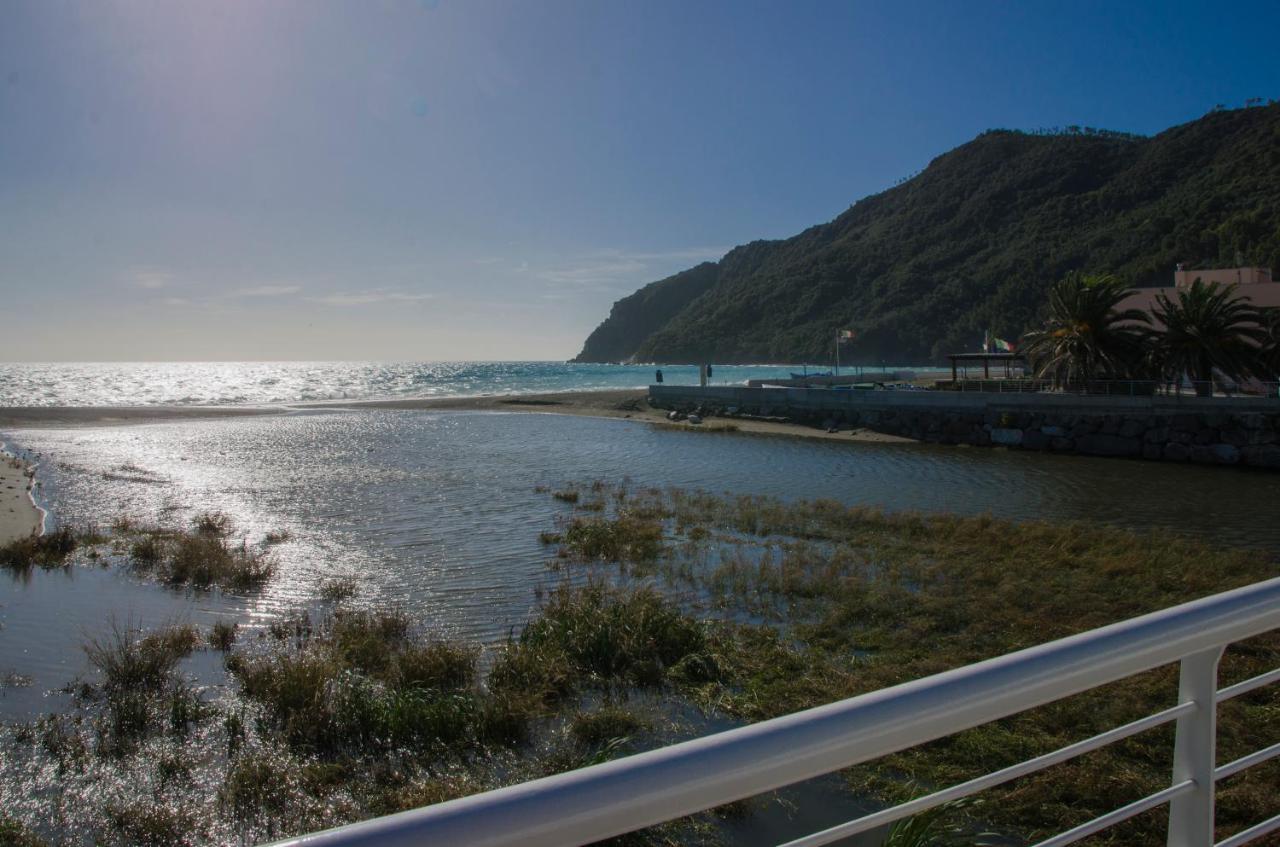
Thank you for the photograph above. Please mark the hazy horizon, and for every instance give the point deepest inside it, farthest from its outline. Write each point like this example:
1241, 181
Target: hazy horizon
445, 181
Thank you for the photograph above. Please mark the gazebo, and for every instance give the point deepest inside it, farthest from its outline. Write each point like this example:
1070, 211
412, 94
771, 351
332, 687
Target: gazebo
964, 360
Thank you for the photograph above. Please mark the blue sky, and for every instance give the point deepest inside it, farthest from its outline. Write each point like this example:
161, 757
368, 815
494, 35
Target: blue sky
439, 179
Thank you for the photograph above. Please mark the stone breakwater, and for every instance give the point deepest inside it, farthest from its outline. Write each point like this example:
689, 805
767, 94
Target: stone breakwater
1210, 431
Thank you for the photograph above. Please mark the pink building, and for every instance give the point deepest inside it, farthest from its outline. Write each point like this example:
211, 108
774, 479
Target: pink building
1253, 284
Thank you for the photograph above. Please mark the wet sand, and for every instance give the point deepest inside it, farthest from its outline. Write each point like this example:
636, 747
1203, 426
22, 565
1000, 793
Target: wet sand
629, 403
19, 516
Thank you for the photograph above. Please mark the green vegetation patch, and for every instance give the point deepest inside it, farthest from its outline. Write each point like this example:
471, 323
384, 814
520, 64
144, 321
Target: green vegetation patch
857, 600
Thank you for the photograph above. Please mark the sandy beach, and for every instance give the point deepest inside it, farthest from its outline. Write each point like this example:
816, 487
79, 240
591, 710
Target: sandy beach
18, 515
628, 403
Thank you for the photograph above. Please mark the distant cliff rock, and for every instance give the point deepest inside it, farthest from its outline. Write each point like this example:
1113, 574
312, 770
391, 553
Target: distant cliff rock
971, 243
636, 317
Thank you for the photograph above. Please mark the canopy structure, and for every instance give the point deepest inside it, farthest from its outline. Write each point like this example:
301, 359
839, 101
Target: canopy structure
963, 360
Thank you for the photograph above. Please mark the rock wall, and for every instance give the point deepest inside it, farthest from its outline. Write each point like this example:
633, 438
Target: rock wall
1212, 437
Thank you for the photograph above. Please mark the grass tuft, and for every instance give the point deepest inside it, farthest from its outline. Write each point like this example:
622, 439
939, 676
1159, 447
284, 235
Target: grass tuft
279, 536
339, 588
202, 558
626, 538
45, 551
223, 635
217, 524
606, 724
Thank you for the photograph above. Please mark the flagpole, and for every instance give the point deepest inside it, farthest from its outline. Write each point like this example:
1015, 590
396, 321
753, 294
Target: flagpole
837, 352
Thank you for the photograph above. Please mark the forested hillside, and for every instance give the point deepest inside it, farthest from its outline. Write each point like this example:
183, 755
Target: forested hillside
971, 243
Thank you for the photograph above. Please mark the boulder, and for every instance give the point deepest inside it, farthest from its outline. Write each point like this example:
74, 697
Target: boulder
1132, 427
1034, 439
1101, 444
1261, 456
1235, 437
1225, 454
1205, 437
1007, 437
1156, 435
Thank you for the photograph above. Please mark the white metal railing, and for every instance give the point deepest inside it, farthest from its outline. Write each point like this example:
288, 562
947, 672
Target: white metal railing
627, 794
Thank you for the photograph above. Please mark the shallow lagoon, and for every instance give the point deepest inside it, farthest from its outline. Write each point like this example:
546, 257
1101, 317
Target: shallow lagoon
437, 513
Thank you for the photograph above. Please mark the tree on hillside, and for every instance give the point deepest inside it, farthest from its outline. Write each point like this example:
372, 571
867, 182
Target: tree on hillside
1208, 328
1085, 336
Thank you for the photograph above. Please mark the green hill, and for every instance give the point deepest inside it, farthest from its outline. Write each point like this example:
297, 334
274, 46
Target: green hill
971, 243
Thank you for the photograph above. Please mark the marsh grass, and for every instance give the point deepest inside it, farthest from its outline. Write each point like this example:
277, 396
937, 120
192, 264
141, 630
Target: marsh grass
338, 589
49, 550
746, 608
357, 682
14, 834
223, 635
203, 557
148, 823
129, 661
141, 695
598, 636
624, 538
212, 523
606, 724
865, 599
566, 496
276, 537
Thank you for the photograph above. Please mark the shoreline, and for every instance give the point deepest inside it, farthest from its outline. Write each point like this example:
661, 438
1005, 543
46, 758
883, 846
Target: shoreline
20, 517
630, 404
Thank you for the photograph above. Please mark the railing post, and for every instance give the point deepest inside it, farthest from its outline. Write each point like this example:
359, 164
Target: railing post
1195, 751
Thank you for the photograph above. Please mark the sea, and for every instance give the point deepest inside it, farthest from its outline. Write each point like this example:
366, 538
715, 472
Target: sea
259, 383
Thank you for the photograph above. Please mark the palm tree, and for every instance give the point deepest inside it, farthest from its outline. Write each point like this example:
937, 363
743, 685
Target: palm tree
1086, 337
1270, 353
1209, 328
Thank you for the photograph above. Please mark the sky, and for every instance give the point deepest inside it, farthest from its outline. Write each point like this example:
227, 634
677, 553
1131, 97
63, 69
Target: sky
465, 179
